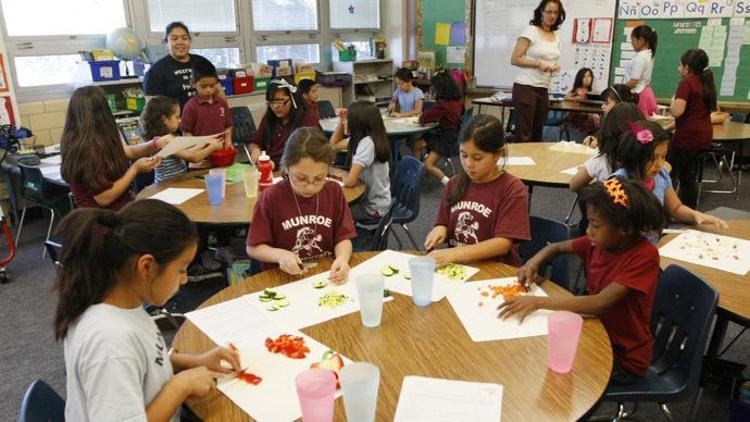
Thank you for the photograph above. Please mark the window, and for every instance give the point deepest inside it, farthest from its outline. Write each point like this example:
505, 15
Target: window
355, 14
198, 15
285, 15
220, 57
62, 17
310, 53
48, 70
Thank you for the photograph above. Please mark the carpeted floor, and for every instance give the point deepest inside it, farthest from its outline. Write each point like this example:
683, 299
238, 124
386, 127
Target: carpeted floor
28, 349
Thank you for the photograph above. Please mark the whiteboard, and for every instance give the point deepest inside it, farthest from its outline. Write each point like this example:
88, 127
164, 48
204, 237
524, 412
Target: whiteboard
498, 23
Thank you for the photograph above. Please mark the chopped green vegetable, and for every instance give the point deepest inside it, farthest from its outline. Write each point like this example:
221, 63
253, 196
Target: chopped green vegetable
332, 299
279, 297
265, 298
272, 307
269, 293
386, 293
319, 284
455, 272
282, 303
389, 270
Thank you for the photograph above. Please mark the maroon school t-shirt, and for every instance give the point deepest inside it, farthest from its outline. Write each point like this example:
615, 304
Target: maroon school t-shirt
278, 223
693, 130
201, 117
447, 113
84, 198
279, 135
628, 321
487, 210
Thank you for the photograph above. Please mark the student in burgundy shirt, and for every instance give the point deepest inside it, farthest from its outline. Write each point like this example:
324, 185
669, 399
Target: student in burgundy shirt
484, 210
305, 216
284, 114
309, 91
622, 268
691, 107
206, 113
447, 112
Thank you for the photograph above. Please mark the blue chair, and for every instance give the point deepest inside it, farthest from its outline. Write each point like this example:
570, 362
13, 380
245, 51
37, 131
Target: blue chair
556, 118
405, 194
379, 240
683, 309
326, 110
543, 232
41, 404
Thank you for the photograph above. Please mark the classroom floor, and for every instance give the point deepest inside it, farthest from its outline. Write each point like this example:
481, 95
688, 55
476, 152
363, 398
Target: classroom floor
28, 349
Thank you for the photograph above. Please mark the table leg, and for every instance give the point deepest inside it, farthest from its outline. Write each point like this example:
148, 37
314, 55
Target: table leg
717, 336
739, 171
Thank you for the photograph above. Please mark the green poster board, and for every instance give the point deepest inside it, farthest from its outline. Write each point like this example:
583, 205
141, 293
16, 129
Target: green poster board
675, 36
444, 11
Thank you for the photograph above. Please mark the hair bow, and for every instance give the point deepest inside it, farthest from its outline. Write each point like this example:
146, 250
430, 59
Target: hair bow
617, 192
643, 135
285, 84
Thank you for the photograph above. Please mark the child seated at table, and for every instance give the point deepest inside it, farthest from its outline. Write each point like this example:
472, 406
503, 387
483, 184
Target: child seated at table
116, 360
612, 95
448, 111
308, 88
622, 268
484, 210
305, 216
368, 154
95, 158
160, 117
407, 100
641, 153
583, 84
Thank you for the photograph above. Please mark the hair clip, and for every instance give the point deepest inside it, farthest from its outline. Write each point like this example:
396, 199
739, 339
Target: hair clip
611, 88
285, 84
617, 192
643, 135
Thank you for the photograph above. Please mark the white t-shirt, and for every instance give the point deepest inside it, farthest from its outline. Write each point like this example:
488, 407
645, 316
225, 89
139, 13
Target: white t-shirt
598, 168
116, 362
640, 67
376, 178
539, 49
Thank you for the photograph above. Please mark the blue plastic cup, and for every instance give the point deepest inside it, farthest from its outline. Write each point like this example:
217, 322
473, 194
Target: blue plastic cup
213, 186
422, 278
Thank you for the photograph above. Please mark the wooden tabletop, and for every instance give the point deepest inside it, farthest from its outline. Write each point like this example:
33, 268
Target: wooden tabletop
393, 126
731, 131
432, 342
549, 163
734, 290
235, 208
564, 105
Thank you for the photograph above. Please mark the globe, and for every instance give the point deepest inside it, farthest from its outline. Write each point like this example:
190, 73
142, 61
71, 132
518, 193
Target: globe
124, 43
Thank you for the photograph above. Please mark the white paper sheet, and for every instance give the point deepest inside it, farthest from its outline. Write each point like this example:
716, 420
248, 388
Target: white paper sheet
723, 253
438, 400
516, 161
572, 171
303, 310
481, 322
231, 321
50, 171
398, 282
176, 196
55, 159
181, 143
565, 146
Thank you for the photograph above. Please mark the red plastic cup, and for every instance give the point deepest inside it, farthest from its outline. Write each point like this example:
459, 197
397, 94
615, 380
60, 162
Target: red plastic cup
564, 332
315, 389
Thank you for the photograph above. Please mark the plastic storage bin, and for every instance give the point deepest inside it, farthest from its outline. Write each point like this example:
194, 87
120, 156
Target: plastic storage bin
261, 84
135, 103
243, 85
106, 70
347, 56
228, 85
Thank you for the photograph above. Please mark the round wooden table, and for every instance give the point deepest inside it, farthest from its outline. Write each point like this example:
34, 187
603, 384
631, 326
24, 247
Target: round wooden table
731, 132
432, 342
235, 208
394, 127
549, 163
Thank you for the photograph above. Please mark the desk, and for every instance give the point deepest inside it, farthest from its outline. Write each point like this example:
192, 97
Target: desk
733, 133
549, 163
50, 171
236, 208
572, 106
432, 342
394, 127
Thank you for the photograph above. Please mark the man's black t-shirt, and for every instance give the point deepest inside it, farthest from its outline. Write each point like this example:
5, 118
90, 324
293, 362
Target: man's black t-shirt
171, 77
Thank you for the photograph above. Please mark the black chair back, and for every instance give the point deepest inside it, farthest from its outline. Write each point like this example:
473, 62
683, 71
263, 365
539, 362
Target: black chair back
543, 232
326, 110
405, 189
243, 125
33, 187
379, 240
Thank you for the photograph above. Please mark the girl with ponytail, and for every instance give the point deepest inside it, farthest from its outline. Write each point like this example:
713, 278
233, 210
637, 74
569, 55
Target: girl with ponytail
116, 360
638, 71
692, 105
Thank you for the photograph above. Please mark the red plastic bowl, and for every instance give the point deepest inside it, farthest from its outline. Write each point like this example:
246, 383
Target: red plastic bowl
223, 157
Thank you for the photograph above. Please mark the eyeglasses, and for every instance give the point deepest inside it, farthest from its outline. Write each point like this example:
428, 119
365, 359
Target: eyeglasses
551, 12
277, 103
302, 181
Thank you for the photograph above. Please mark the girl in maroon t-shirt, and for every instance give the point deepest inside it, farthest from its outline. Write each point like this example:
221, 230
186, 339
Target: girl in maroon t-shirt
305, 216
622, 268
484, 210
691, 107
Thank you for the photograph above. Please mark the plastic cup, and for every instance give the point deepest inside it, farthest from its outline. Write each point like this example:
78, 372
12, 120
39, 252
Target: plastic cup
250, 180
360, 381
422, 278
213, 186
370, 292
562, 341
223, 173
315, 389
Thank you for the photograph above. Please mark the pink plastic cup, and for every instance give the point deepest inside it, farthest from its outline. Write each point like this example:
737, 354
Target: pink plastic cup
315, 389
562, 341
223, 173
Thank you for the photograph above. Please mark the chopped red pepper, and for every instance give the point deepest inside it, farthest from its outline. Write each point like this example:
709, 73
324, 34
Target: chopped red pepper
250, 378
292, 347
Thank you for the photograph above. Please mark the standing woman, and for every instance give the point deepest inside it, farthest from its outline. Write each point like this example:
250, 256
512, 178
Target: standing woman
537, 53
170, 75
638, 71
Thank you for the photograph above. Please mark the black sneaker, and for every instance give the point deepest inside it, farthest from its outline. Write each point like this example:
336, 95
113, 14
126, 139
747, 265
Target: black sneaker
197, 273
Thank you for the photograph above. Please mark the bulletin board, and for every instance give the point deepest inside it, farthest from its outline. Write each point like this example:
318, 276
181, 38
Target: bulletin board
442, 27
681, 25
585, 40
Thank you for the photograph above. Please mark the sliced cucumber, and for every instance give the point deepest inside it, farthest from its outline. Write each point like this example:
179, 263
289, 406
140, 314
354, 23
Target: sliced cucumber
407, 276
269, 293
389, 270
319, 284
272, 307
282, 303
279, 297
265, 298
